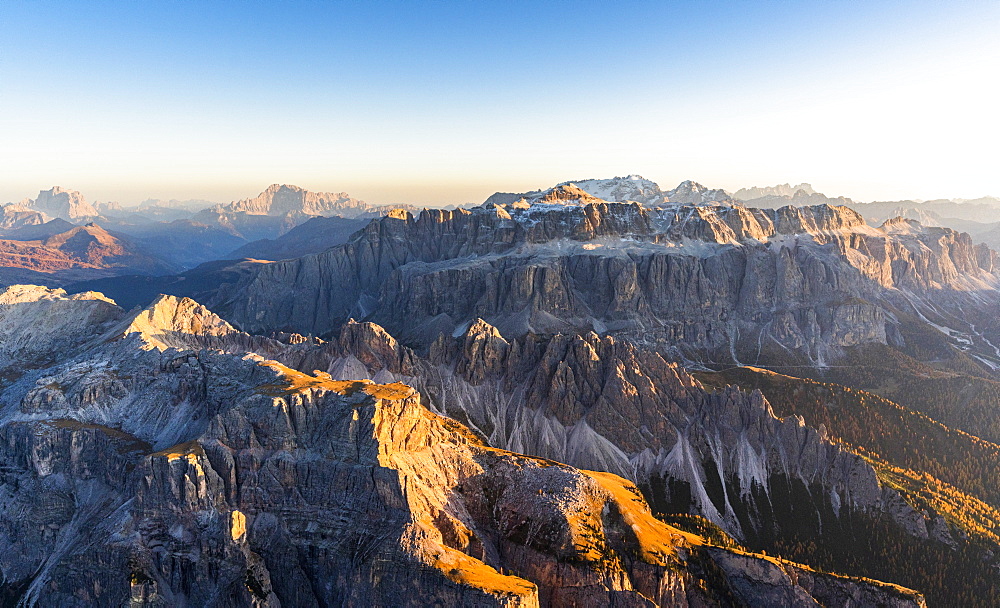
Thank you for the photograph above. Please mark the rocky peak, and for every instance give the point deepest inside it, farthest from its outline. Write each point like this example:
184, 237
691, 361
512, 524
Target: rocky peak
20, 294
746, 194
79, 240
693, 193
484, 351
24, 205
902, 225
506, 198
283, 199
172, 322
373, 347
18, 215
399, 213
481, 330
561, 195
63, 203
621, 189
815, 219
40, 323
632, 188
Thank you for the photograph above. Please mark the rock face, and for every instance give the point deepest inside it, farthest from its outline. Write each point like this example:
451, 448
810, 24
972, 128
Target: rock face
633, 188
62, 203
40, 325
707, 281
775, 197
279, 209
601, 403
139, 471
281, 199
693, 193
747, 194
13, 216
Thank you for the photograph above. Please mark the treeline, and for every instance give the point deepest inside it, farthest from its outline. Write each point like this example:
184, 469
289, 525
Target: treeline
936, 468
880, 428
799, 523
880, 550
969, 402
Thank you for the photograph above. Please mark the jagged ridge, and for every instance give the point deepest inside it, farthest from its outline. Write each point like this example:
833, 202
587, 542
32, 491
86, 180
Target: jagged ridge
257, 462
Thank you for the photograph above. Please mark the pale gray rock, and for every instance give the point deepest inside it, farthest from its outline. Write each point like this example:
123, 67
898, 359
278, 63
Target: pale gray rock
704, 282
62, 203
693, 193
622, 189
139, 471
20, 215
746, 194
600, 403
282, 199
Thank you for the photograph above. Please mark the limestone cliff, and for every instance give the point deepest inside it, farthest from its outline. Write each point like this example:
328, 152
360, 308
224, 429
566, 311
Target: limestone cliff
717, 282
138, 471
282, 199
601, 403
62, 203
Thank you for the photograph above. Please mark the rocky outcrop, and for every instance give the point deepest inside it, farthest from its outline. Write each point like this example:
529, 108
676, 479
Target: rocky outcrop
13, 216
62, 203
746, 194
168, 476
693, 193
601, 403
41, 325
707, 282
172, 322
282, 199
633, 188
783, 195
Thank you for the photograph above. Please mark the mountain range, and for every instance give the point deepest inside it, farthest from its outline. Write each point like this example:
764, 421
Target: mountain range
980, 217
239, 467
600, 393
184, 234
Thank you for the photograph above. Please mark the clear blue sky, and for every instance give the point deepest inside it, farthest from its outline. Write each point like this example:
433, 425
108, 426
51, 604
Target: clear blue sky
446, 102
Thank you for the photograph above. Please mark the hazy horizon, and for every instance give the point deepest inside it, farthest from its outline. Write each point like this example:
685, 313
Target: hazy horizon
444, 104
389, 197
